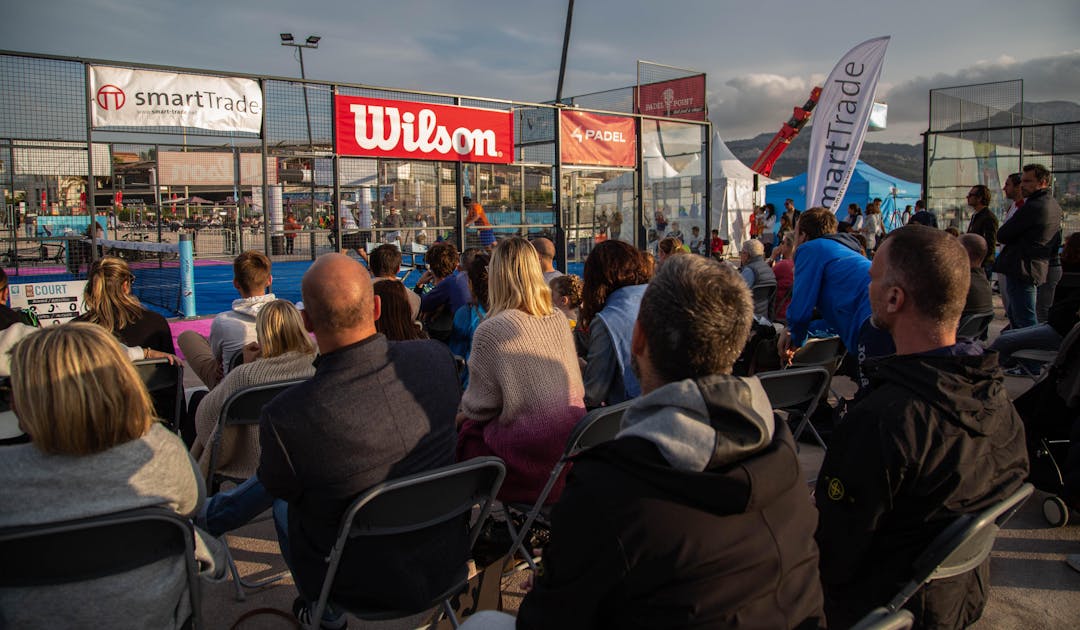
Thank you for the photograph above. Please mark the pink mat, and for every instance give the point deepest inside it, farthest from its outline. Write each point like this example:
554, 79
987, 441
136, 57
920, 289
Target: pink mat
201, 326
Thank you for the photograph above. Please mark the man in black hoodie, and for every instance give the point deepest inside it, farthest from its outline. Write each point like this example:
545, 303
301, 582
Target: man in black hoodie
697, 515
935, 436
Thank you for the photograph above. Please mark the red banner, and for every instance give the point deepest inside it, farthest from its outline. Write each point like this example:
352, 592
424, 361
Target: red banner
597, 139
372, 127
678, 98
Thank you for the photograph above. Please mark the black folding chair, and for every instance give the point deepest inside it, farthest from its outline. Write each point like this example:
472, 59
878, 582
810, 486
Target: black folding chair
599, 425
411, 504
764, 295
825, 352
974, 325
165, 382
961, 546
796, 391
55, 554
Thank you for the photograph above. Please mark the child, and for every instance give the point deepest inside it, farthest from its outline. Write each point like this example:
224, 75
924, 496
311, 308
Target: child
566, 296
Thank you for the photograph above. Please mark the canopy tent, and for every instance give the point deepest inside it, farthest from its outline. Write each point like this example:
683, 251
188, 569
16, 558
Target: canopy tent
866, 183
733, 194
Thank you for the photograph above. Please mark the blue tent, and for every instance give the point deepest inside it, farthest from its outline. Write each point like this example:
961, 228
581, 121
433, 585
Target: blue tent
866, 183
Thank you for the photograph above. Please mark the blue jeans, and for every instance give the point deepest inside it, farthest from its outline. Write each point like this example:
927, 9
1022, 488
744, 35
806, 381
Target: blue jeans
1021, 302
231, 509
1041, 337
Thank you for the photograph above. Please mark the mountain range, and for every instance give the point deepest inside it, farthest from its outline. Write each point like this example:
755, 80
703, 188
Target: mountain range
901, 160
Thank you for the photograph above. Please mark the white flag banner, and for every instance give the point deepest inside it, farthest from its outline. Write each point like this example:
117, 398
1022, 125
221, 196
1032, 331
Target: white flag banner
840, 120
128, 97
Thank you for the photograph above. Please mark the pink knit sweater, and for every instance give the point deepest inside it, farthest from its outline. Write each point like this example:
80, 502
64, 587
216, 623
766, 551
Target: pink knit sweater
525, 389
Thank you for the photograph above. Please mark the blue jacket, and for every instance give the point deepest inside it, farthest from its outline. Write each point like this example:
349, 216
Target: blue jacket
833, 276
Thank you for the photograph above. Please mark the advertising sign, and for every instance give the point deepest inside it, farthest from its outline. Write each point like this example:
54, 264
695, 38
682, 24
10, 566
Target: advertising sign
597, 139
678, 98
149, 98
204, 168
54, 302
371, 127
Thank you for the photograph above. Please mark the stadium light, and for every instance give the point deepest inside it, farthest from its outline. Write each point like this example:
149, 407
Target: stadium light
286, 37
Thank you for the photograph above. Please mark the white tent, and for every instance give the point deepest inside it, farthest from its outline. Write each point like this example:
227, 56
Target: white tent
733, 196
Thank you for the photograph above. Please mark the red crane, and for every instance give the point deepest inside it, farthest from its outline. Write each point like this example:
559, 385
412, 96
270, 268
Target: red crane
787, 133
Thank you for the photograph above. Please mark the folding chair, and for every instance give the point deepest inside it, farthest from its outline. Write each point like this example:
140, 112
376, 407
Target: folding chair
825, 352
881, 619
243, 408
1027, 357
974, 325
165, 382
61, 553
961, 546
763, 296
797, 391
599, 425
411, 504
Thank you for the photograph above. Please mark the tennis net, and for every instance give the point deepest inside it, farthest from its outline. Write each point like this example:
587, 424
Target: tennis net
157, 270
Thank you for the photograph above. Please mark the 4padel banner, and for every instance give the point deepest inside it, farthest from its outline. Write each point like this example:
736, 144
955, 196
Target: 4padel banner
840, 120
597, 139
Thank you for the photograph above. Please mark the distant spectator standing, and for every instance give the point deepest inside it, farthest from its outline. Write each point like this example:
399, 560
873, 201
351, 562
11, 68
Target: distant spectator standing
784, 270
546, 250
984, 223
872, 226
291, 227
475, 215
1016, 199
923, 216
1027, 238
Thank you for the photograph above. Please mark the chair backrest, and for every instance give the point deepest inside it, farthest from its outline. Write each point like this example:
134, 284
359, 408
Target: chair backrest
73, 551
165, 382
824, 352
963, 545
763, 296
974, 325
242, 408
882, 619
795, 388
236, 360
599, 425
417, 502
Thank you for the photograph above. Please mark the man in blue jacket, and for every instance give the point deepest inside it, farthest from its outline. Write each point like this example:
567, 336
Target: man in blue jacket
832, 276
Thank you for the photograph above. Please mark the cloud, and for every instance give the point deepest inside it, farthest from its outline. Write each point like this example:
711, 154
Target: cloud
756, 103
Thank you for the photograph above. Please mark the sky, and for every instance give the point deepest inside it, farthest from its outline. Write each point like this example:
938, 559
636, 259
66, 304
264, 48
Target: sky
761, 58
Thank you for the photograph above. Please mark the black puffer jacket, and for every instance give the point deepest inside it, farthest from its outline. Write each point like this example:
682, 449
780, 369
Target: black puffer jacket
641, 541
935, 437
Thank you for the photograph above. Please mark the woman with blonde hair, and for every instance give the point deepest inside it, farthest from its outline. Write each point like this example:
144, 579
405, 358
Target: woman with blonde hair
283, 352
95, 450
525, 392
110, 304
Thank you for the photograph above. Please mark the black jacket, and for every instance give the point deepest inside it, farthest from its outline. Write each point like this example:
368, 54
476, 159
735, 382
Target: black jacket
1027, 238
639, 543
985, 224
934, 437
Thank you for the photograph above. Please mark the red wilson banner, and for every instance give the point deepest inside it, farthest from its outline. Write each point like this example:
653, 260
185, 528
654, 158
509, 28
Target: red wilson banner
597, 139
372, 127
679, 98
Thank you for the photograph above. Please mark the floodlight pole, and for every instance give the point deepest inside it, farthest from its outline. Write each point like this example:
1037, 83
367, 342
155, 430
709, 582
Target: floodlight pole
312, 41
565, 46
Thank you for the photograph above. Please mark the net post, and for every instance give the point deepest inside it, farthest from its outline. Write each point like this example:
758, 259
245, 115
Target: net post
187, 276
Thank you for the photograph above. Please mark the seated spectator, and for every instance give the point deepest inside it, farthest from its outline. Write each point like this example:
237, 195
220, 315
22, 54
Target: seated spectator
716, 245
696, 514
441, 293
525, 391
469, 316
615, 279
1062, 317
319, 453
546, 250
666, 248
784, 270
385, 264
980, 298
233, 329
95, 450
933, 437
696, 242
756, 273
110, 304
395, 320
283, 352
566, 296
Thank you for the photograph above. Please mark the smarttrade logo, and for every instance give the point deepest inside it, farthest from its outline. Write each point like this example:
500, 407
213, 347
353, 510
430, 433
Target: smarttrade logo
112, 97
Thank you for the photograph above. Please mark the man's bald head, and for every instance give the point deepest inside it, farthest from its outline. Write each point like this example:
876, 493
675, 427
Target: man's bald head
546, 250
337, 296
975, 245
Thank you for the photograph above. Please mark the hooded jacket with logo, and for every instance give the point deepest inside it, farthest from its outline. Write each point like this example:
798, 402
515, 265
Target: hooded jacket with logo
935, 437
695, 516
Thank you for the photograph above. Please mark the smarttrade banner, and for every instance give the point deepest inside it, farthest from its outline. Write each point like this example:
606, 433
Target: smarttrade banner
840, 121
126, 97
597, 139
372, 127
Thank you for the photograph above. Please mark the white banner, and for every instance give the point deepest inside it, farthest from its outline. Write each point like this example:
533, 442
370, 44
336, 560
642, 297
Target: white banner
839, 122
147, 98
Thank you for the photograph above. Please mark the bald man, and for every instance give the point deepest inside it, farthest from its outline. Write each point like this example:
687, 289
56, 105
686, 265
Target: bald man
546, 250
374, 411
